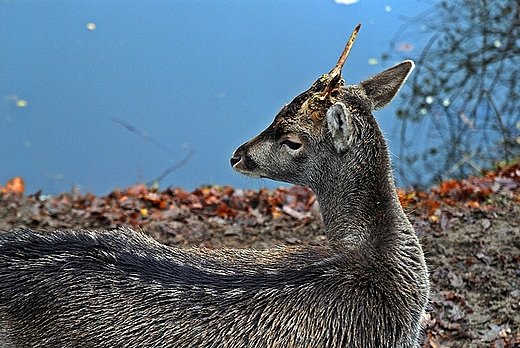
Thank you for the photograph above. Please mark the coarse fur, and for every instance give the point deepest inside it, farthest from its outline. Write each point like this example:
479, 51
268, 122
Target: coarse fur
368, 287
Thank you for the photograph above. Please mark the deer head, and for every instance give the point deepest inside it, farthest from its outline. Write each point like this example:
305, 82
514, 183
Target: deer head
327, 132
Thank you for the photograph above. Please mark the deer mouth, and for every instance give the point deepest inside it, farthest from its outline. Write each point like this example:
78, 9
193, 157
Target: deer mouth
243, 164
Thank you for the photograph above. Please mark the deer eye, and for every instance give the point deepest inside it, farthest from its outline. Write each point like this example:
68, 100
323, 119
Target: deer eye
293, 145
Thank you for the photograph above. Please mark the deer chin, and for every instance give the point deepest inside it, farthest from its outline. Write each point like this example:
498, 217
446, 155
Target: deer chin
250, 174
239, 167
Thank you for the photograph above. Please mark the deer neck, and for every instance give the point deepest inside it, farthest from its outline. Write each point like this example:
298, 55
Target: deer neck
360, 198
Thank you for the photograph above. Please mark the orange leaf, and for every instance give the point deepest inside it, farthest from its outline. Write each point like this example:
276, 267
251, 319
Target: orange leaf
224, 211
15, 185
473, 204
136, 190
447, 187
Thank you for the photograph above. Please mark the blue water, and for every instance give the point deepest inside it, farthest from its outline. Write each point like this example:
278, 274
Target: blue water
190, 75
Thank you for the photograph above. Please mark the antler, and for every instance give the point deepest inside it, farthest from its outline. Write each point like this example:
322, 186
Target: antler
335, 73
346, 51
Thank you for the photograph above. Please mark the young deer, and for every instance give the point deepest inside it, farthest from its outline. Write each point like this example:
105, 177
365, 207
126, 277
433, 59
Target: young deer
367, 288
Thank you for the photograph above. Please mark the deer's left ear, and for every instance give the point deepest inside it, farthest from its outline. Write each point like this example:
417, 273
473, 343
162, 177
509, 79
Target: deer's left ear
338, 123
383, 87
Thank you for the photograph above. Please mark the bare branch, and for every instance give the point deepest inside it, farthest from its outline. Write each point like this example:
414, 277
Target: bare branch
470, 48
156, 181
499, 117
144, 135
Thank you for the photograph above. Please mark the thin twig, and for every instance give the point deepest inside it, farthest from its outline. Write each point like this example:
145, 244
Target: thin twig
502, 128
143, 135
465, 159
155, 182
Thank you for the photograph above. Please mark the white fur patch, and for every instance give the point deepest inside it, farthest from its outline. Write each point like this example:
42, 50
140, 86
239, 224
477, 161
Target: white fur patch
337, 122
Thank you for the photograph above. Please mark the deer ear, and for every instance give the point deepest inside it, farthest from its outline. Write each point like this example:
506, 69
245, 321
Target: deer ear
383, 87
338, 122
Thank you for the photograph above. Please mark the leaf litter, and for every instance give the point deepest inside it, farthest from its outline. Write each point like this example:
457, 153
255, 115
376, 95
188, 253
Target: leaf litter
470, 231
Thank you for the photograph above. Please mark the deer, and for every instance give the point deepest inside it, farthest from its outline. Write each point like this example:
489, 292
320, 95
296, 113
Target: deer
367, 286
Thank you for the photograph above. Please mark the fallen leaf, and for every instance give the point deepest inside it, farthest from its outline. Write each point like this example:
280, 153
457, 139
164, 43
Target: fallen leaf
15, 185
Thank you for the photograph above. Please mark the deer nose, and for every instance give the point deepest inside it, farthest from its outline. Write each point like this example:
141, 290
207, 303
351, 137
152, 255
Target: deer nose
235, 159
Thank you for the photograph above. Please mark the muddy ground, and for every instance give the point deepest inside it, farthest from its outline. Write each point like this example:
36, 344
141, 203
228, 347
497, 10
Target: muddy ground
470, 232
